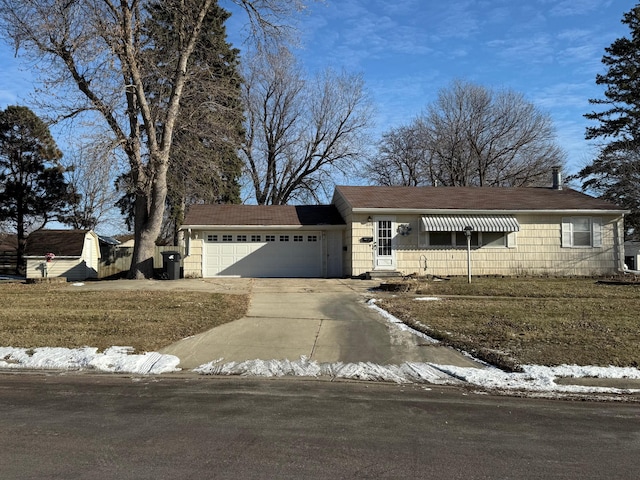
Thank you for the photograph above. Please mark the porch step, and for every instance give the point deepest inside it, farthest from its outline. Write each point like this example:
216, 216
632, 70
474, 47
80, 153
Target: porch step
382, 274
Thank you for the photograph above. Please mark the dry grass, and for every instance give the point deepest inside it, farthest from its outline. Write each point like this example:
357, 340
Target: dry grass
59, 316
517, 321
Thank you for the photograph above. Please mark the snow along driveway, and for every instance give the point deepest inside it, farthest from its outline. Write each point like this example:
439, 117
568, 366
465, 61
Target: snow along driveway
534, 378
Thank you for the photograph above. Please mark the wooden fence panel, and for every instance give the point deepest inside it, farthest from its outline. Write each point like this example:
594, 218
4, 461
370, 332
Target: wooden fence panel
120, 261
8, 261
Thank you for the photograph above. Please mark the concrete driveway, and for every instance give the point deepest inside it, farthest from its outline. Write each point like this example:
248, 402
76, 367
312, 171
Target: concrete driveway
326, 320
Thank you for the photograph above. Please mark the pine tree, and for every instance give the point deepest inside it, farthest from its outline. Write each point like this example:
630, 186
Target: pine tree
33, 189
615, 172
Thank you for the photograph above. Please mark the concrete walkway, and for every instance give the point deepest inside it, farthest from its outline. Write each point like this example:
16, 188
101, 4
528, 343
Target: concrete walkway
326, 320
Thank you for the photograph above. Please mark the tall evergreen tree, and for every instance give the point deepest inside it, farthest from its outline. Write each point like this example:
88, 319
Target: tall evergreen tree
33, 189
204, 164
615, 172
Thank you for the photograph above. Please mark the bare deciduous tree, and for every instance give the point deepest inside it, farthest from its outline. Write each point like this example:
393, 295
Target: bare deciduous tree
91, 54
402, 158
473, 136
299, 130
91, 165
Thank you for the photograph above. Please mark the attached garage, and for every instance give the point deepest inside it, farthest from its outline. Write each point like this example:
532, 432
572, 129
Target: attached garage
263, 241
263, 254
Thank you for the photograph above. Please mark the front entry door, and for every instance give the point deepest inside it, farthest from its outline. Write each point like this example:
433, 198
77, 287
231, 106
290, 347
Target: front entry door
384, 254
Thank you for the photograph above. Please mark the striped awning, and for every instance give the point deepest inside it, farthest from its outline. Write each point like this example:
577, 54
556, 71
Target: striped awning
479, 223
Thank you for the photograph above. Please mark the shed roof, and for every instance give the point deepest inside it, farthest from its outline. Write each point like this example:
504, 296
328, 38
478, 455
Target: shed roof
62, 243
264, 215
472, 198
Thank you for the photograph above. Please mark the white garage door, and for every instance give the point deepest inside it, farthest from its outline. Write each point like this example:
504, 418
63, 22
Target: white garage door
271, 254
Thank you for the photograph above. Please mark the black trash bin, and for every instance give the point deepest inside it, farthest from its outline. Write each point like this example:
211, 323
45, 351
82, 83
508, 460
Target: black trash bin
171, 265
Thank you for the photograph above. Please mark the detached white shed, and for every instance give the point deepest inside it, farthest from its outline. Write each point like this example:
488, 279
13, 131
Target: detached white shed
72, 254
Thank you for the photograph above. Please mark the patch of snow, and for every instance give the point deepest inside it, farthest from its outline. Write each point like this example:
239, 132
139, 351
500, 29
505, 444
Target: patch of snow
426, 299
114, 360
396, 322
78, 284
534, 378
405, 373
537, 378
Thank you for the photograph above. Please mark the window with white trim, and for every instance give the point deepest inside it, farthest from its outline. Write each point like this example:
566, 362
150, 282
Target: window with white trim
493, 239
312, 238
212, 238
298, 238
256, 238
284, 238
241, 238
269, 238
227, 238
581, 232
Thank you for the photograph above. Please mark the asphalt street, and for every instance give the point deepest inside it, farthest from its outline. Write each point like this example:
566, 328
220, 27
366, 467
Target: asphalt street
104, 426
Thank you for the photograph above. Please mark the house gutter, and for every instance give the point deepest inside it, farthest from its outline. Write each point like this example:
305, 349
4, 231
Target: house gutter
460, 211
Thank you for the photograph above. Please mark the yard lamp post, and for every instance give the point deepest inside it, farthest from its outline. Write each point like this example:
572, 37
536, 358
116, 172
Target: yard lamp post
467, 233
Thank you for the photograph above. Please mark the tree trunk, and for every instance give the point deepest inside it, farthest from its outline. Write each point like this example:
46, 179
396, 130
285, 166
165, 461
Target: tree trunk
149, 211
22, 241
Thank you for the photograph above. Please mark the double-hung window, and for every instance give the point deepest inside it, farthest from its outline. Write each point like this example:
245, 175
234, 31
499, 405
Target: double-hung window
581, 232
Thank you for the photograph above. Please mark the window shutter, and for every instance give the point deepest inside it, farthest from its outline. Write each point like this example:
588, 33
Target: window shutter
596, 232
511, 239
566, 232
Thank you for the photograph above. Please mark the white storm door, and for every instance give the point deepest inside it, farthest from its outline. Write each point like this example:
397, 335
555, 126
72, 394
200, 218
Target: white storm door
384, 255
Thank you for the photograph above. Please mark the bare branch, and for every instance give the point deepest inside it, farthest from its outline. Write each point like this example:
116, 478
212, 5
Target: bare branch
298, 130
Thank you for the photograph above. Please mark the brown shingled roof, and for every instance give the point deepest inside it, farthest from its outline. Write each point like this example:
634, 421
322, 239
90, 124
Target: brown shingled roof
263, 215
62, 243
471, 198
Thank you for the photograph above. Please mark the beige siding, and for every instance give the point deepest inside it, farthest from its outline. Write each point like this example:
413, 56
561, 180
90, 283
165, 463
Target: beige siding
362, 253
536, 250
71, 269
193, 262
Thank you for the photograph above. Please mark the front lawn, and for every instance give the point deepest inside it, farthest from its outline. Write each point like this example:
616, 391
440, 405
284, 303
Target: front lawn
517, 321
57, 315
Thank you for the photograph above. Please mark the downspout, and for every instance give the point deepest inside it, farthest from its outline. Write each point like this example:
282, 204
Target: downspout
619, 247
185, 241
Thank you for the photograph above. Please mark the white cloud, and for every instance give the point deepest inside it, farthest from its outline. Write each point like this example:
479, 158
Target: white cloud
575, 34
454, 20
567, 8
535, 49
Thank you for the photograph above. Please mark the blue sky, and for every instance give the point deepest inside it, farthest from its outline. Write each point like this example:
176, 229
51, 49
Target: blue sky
548, 50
